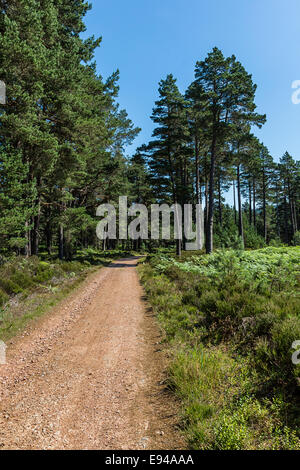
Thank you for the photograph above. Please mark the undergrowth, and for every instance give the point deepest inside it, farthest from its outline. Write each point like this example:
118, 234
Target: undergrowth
230, 320
29, 286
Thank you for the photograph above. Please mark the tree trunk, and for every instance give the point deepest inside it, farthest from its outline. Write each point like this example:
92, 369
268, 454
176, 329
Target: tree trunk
49, 239
265, 208
286, 229
61, 242
220, 201
292, 213
67, 246
27, 249
241, 227
206, 194
234, 202
254, 203
295, 215
250, 204
210, 221
36, 220
277, 212
36, 228
197, 171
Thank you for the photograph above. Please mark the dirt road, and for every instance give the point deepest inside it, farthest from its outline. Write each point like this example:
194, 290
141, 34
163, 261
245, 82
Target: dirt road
89, 374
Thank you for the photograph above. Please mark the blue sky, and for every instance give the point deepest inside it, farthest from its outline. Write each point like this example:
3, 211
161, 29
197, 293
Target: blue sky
147, 39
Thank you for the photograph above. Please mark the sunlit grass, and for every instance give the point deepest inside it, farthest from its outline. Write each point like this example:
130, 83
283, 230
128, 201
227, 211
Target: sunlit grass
230, 331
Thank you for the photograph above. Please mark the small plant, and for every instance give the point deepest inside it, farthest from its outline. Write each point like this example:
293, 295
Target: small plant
3, 297
296, 239
10, 287
230, 434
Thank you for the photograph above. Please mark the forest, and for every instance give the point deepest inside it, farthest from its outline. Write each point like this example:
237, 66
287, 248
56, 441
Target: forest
64, 140
229, 313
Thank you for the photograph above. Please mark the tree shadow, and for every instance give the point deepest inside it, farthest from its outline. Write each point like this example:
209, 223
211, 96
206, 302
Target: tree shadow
119, 264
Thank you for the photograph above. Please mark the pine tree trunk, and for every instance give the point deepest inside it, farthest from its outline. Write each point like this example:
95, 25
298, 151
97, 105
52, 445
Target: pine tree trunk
286, 228
36, 220
197, 171
254, 203
234, 202
67, 246
27, 249
48, 231
49, 239
61, 242
210, 221
241, 227
295, 216
250, 204
36, 228
265, 208
292, 215
277, 212
206, 201
220, 201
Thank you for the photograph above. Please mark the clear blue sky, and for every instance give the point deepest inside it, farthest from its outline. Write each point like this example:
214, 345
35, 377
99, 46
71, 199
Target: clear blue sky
147, 39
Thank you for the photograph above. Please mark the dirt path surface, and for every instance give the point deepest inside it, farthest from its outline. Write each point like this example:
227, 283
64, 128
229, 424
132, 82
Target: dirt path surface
89, 374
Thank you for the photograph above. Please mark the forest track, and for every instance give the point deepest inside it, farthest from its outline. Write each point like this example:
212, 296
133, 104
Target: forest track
90, 373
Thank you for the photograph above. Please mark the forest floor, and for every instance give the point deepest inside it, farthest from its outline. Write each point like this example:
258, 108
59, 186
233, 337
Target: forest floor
89, 374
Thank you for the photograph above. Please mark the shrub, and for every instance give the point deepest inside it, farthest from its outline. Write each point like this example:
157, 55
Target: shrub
44, 272
3, 297
10, 287
274, 355
296, 239
283, 335
22, 279
253, 240
231, 319
230, 434
276, 242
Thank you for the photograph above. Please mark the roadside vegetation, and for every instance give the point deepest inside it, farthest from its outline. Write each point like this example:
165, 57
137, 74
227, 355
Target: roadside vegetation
229, 318
229, 321
30, 286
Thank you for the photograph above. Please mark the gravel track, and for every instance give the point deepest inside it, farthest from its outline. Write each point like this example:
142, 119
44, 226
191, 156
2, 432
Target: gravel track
89, 374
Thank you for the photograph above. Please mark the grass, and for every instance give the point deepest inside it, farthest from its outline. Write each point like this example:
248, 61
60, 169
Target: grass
230, 320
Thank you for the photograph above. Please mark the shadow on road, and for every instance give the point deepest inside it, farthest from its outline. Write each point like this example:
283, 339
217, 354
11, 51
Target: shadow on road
119, 264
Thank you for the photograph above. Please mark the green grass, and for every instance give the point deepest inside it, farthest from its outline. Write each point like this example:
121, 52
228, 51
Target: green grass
230, 320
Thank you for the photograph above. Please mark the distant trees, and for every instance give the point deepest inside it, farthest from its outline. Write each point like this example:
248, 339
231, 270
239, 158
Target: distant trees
62, 133
63, 138
229, 101
202, 144
169, 153
287, 196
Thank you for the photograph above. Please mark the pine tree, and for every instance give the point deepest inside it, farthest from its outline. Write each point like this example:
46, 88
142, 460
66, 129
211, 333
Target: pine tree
169, 152
289, 174
230, 95
16, 196
61, 119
